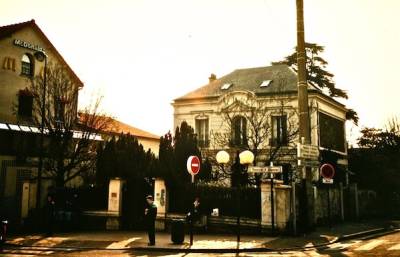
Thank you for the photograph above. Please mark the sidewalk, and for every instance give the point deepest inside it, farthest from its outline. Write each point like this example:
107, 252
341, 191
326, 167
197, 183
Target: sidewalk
115, 240
326, 235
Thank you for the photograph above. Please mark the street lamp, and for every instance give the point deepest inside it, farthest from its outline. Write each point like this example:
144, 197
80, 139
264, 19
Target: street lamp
246, 157
222, 158
41, 56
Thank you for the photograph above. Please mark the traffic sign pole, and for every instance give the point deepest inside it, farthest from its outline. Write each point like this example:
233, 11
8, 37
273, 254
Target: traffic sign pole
193, 167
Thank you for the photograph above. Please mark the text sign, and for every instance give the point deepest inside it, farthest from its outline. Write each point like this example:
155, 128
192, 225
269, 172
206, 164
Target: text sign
327, 180
308, 151
22, 43
265, 169
193, 165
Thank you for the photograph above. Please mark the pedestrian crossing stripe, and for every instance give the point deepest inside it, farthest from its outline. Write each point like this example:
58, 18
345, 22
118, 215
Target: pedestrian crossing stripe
394, 248
122, 244
369, 246
341, 246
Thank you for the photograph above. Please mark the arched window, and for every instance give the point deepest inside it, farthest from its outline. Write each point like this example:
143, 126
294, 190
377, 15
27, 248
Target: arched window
26, 65
239, 131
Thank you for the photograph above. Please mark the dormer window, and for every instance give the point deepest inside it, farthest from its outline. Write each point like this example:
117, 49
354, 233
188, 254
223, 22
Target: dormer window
265, 83
26, 65
226, 86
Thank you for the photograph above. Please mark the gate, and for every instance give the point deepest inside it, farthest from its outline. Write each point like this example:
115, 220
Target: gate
134, 202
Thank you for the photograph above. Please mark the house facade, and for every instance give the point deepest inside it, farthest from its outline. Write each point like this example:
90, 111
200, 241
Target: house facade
256, 109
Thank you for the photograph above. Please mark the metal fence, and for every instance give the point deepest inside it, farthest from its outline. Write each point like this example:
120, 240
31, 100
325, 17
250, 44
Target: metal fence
229, 201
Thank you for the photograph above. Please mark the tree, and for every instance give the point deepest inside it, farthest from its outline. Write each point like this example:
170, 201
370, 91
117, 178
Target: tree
174, 152
126, 158
70, 142
376, 162
249, 121
317, 75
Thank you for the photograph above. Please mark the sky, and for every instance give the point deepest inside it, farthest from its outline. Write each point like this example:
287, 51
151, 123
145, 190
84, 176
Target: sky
142, 54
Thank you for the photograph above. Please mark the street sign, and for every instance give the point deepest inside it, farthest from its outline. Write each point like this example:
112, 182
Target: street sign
309, 163
193, 165
327, 171
327, 180
265, 169
307, 151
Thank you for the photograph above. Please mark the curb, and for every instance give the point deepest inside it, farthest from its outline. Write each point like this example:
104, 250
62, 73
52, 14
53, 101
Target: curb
363, 234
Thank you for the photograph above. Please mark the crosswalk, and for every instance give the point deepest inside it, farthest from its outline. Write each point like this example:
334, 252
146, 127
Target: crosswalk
381, 244
359, 245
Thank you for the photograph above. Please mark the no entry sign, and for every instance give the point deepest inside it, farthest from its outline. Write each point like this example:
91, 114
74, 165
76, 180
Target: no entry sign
327, 171
193, 165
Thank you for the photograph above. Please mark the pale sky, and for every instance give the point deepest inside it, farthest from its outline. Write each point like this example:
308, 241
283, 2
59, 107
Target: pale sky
142, 54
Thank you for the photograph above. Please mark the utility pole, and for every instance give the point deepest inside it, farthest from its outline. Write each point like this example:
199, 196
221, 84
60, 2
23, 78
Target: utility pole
304, 117
302, 76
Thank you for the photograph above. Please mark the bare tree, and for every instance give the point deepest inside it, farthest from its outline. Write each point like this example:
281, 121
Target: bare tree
71, 137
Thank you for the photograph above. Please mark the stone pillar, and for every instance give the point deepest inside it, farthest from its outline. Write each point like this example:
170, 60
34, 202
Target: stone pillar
160, 199
114, 204
281, 204
25, 199
356, 205
341, 201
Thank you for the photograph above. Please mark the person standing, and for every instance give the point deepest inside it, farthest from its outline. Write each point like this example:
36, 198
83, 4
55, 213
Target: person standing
194, 213
193, 216
50, 214
150, 214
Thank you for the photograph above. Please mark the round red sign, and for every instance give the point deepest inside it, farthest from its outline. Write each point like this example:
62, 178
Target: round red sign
327, 171
193, 165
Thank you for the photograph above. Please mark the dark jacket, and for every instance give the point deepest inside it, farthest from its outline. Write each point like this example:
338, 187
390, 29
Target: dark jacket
151, 213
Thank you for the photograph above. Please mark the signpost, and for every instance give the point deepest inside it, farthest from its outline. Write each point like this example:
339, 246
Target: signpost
327, 172
307, 158
193, 167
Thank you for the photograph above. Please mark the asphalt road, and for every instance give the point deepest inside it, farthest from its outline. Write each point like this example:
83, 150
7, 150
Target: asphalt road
387, 246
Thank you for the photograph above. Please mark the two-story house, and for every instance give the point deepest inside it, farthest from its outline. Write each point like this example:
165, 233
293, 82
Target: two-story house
256, 108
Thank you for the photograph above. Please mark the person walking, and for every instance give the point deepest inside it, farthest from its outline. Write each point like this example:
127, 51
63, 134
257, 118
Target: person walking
150, 214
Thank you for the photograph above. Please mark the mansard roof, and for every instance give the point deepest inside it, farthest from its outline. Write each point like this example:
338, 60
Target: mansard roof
276, 78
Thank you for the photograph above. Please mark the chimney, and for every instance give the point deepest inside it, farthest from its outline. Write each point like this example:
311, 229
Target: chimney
212, 77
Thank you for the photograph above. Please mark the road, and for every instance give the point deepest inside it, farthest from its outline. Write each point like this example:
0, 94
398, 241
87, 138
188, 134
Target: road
388, 246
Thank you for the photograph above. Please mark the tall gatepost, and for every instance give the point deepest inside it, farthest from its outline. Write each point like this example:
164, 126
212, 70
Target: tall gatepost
281, 202
114, 204
161, 200
304, 117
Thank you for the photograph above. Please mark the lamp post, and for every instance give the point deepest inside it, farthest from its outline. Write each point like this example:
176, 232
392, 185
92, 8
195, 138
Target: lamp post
41, 56
246, 157
272, 203
222, 159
